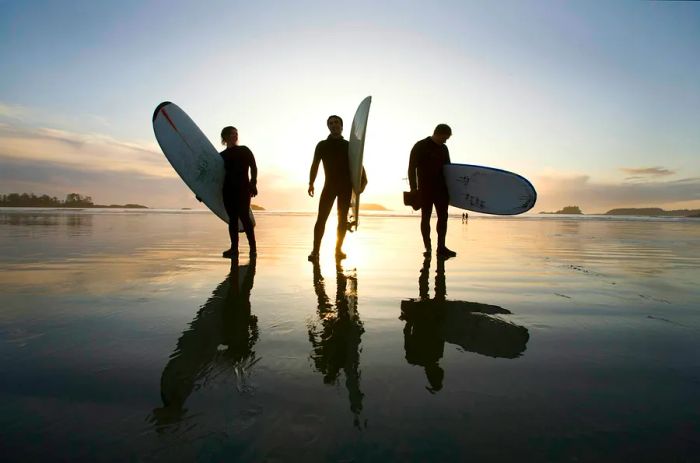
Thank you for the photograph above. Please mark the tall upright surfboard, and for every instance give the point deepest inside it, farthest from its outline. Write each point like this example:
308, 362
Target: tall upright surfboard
192, 156
488, 190
355, 153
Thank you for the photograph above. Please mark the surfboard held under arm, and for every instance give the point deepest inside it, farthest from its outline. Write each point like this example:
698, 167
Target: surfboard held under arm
193, 157
488, 190
356, 150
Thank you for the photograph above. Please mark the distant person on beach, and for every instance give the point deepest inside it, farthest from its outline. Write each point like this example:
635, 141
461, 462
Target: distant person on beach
238, 189
425, 175
333, 151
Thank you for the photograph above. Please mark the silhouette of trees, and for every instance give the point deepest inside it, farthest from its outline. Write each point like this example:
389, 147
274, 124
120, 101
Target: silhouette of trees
32, 200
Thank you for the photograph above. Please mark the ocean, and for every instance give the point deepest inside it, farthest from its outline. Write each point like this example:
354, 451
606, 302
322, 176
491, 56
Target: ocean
125, 336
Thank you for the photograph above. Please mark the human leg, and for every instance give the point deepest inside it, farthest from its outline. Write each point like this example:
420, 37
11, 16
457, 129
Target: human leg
441, 206
231, 205
425, 212
343, 207
325, 203
244, 216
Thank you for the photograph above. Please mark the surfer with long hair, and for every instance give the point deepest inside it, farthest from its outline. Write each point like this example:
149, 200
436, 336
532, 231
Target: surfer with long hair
238, 188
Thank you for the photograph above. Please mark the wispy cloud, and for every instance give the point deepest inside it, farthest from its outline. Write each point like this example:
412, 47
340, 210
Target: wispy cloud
84, 151
16, 112
15, 115
644, 172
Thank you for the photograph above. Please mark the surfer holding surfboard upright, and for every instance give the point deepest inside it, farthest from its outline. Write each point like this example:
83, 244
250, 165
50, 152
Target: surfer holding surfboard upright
238, 188
425, 174
333, 151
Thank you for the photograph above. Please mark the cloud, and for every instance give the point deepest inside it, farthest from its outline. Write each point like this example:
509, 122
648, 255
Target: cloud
646, 172
14, 111
83, 151
35, 117
556, 191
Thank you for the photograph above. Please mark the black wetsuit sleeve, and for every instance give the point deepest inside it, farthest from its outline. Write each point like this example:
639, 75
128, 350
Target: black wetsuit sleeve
412, 168
447, 155
253, 169
315, 164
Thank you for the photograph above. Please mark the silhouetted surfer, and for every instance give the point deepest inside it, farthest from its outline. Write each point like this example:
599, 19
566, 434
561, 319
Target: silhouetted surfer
425, 174
238, 188
221, 336
336, 337
333, 151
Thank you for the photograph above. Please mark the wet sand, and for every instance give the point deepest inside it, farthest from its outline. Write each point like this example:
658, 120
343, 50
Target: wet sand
125, 335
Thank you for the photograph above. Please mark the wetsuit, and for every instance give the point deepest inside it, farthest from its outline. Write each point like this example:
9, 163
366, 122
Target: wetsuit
334, 154
237, 190
425, 175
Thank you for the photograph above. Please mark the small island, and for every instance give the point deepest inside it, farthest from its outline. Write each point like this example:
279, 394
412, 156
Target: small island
255, 207
73, 200
372, 207
566, 210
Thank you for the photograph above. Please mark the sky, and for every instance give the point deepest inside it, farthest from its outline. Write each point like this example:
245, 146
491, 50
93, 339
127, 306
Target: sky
597, 103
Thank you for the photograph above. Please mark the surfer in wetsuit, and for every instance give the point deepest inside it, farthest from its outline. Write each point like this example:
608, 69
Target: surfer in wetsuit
425, 174
238, 188
333, 151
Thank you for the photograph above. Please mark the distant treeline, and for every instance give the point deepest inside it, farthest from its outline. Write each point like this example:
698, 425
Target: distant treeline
72, 200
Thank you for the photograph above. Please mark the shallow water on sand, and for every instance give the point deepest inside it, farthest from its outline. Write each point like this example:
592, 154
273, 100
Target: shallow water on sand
125, 335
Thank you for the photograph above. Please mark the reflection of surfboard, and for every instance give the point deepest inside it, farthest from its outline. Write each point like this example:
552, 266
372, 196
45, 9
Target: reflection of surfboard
355, 152
192, 156
470, 325
488, 190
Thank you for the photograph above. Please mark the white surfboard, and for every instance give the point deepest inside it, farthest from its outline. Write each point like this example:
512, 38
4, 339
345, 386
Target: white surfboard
488, 190
355, 154
192, 156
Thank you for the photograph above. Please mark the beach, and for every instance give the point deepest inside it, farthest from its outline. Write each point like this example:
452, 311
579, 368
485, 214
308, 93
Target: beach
125, 336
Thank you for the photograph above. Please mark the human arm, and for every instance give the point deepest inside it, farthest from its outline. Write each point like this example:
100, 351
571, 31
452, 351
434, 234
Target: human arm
253, 174
412, 167
314, 169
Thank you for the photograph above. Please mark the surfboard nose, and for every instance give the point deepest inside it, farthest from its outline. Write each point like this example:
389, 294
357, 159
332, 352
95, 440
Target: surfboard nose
158, 108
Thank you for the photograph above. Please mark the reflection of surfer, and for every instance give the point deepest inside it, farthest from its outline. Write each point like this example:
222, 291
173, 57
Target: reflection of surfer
425, 175
225, 320
333, 151
471, 325
336, 337
423, 343
238, 188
